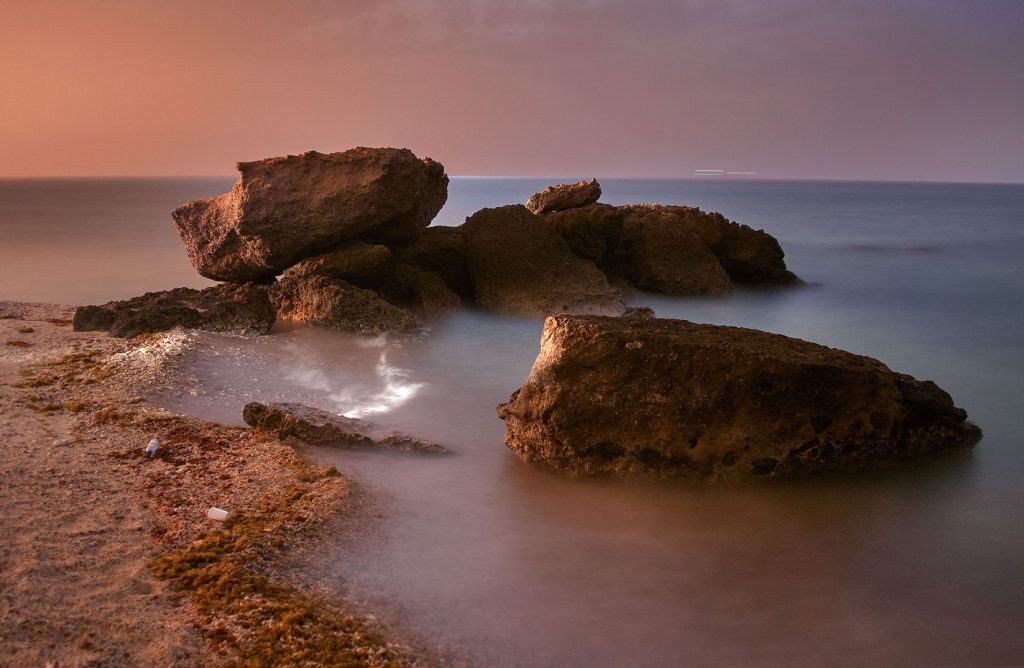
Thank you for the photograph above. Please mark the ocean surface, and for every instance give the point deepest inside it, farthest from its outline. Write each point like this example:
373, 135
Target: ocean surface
510, 566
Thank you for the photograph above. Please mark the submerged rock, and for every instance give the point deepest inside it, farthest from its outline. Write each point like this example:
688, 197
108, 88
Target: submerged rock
229, 307
520, 264
319, 427
673, 399
332, 303
565, 196
284, 209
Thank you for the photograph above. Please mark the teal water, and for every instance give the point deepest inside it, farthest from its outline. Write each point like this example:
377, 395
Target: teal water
512, 566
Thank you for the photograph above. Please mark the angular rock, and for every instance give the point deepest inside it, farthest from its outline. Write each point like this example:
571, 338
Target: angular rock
229, 307
320, 427
441, 250
678, 400
284, 209
656, 253
356, 262
420, 290
565, 196
520, 264
332, 303
749, 256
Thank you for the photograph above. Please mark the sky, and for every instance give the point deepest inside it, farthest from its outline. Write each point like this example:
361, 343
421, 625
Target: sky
868, 89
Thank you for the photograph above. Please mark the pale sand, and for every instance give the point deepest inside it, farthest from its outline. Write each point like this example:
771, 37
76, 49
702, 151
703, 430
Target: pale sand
84, 511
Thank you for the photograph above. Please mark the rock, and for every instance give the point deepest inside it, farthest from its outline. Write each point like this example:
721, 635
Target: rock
565, 196
229, 307
658, 254
749, 256
420, 290
638, 312
284, 209
520, 264
362, 264
332, 303
678, 400
644, 244
319, 427
440, 249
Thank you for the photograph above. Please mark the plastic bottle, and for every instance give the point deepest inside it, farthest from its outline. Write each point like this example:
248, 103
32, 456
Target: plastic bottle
152, 447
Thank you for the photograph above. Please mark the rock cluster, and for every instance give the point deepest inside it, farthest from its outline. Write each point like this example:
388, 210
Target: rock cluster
318, 427
341, 240
672, 399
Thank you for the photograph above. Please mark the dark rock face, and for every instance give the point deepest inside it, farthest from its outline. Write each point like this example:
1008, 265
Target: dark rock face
284, 209
326, 302
241, 309
318, 427
440, 249
565, 196
519, 263
653, 246
673, 399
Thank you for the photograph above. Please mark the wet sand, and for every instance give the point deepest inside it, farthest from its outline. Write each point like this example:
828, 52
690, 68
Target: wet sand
90, 522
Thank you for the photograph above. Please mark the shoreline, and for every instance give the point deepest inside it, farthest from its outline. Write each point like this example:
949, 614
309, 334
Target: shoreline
110, 557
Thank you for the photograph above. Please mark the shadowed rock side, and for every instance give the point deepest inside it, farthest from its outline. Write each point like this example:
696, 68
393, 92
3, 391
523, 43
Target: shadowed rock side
673, 399
319, 427
564, 196
284, 209
520, 264
229, 307
326, 302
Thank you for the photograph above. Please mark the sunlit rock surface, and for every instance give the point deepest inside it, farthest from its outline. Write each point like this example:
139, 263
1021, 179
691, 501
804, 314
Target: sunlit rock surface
284, 209
673, 399
564, 196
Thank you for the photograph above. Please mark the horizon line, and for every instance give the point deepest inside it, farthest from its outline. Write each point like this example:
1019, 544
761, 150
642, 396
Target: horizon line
554, 179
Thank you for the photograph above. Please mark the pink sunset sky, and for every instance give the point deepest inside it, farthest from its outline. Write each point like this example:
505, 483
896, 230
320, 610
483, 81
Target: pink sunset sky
904, 89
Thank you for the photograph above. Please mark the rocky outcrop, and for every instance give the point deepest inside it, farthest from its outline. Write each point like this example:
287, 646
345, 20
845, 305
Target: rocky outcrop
356, 262
441, 250
565, 196
520, 264
673, 399
240, 309
319, 427
653, 246
332, 303
284, 209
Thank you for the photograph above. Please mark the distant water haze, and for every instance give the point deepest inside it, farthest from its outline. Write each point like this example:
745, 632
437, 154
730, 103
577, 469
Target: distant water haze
511, 566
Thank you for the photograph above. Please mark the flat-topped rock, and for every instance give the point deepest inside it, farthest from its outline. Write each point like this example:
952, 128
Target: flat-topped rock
284, 209
320, 427
671, 399
565, 196
229, 307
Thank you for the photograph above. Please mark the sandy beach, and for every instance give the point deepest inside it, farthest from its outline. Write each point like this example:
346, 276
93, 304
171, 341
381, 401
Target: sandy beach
109, 558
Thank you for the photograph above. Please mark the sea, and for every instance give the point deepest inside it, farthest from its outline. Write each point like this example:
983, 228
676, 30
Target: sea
507, 565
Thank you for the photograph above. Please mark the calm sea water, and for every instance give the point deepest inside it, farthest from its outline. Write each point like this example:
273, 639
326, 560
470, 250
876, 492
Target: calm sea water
512, 566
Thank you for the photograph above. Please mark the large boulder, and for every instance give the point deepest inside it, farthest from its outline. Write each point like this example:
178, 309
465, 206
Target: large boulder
229, 307
673, 399
565, 196
284, 209
320, 427
334, 304
656, 247
520, 264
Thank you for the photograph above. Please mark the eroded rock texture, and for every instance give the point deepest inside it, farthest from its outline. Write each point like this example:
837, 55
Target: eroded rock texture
284, 209
673, 399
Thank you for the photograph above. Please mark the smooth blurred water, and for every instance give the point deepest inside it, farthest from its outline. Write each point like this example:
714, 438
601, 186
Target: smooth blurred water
513, 566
